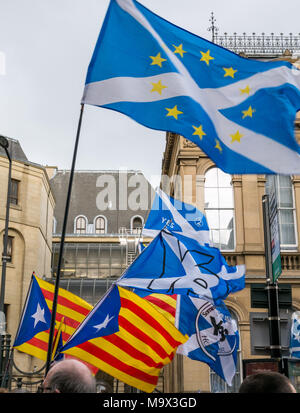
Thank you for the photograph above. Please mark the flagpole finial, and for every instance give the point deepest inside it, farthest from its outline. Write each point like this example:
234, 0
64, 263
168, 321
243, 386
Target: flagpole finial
213, 28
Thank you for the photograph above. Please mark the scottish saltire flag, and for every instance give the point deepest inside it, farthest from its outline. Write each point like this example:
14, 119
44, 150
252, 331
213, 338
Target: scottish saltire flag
213, 334
144, 341
175, 264
239, 111
36, 316
170, 213
295, 335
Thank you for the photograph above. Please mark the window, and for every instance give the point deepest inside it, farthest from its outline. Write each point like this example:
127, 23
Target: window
219, 208
100, 225
90, 260
286, 208
14, 191
136, 225
54, 225
9, 249
80, 225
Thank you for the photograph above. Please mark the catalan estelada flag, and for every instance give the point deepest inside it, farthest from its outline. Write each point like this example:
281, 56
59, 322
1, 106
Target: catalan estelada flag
128, 338
35, 321
165, 304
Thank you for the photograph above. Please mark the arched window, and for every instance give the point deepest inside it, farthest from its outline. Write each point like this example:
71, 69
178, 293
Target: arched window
136, 224
284, 191
217, 384
80, 226
100, 225
219, 208
54, 223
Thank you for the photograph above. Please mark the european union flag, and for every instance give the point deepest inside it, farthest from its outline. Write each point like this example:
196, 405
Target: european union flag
240, 112
168, 212
36, 315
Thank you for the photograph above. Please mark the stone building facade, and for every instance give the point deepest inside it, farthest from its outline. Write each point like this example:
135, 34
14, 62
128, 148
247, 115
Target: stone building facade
30, 231
107, 212
233, 207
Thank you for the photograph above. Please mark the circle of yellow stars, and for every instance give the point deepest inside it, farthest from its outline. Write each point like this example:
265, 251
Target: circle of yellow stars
175, 112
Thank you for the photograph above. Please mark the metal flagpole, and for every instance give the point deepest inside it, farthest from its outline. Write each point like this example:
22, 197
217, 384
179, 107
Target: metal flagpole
272, 289
61, 250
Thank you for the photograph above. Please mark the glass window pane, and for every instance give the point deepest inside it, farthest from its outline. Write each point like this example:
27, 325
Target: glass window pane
212, 217
211, 178
215, 237
225, 198
286, 217
81, 272
81, 256
93, 272
100, 225
226, 219
284, 181
104, 256
224, 180
287, 234
226, 240
285, 198
211, 198
93, 255
219, 208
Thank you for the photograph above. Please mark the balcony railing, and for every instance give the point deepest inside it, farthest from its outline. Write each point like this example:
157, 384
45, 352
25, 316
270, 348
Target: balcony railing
259, 45
290, 261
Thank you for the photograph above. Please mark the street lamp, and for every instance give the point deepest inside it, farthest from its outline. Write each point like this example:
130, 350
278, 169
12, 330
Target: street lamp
4, 143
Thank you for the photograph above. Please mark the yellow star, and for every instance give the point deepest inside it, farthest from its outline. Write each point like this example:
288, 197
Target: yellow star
236, 137
199, 131
157, 60
206, 57
218, 146
173, 112
179, 49
246, 90
248, 112
229, 71
158, 87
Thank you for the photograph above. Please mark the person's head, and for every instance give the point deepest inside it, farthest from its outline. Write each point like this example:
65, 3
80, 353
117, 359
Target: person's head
69, 376
267, 382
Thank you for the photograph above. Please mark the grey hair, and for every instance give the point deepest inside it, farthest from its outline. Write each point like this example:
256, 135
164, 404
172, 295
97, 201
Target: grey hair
68, 381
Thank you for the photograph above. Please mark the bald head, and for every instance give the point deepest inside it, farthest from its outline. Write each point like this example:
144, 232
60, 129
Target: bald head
69, 376
267, 382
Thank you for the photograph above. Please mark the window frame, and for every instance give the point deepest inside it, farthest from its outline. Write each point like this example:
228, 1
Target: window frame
77, 230
133, 230
10, 246
13, 196
285, 247
102, 217
218, 209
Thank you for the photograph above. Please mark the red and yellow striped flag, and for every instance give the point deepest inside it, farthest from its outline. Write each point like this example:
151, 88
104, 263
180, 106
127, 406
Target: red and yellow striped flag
165, 304
71, 311
146, 341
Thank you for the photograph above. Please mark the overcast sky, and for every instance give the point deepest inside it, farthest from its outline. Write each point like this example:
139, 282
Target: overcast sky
45, 49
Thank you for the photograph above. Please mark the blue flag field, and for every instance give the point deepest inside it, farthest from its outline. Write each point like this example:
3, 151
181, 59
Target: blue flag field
175, 264
214, 336
239, 111
170, 213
